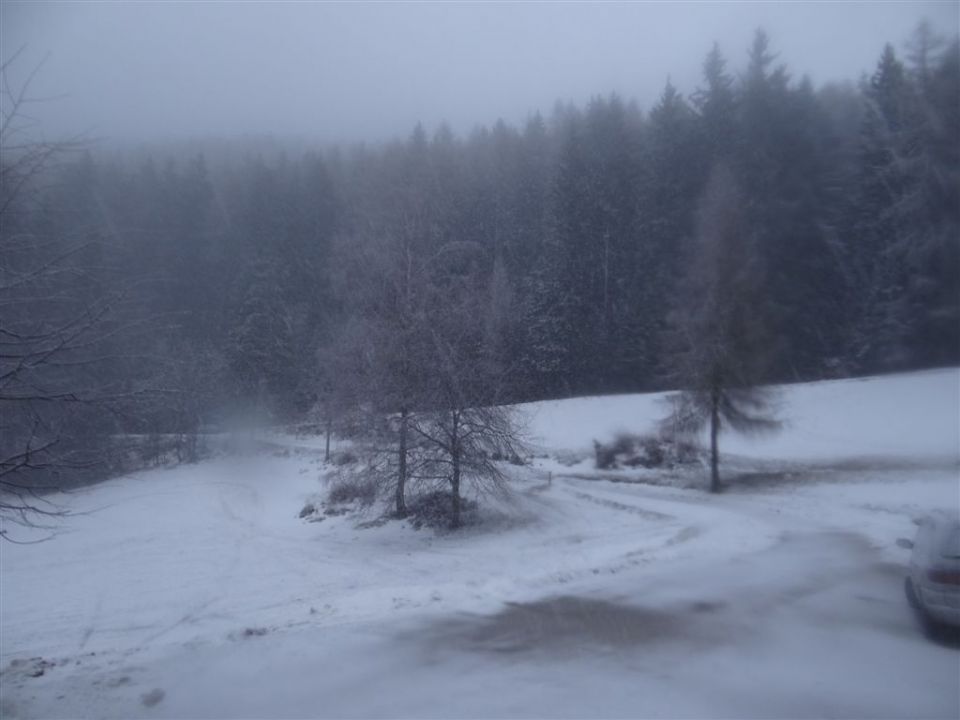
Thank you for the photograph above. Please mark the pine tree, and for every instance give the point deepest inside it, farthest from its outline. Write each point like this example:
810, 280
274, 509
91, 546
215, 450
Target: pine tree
716, 104
784, 173
883, 213
934, 255
671, 181
719, 339
262, 349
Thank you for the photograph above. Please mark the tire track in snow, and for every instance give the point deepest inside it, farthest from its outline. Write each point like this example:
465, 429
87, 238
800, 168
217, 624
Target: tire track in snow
705, 525
632, 533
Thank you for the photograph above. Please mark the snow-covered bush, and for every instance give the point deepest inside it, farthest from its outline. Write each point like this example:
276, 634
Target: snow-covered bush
345, 491
510, 457
647, 451
432, 510
343, 457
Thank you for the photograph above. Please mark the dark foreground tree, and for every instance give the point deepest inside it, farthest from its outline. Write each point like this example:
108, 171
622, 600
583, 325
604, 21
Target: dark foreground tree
422, 367
721, 348
59, 324
468, 433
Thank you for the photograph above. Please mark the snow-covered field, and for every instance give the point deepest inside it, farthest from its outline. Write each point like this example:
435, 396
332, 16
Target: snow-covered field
913, 415
198, 592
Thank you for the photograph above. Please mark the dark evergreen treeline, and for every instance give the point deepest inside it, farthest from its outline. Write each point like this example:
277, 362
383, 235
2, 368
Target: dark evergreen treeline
560, 243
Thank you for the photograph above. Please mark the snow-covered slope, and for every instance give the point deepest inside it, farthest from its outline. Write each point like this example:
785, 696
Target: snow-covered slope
198, 592
915, 415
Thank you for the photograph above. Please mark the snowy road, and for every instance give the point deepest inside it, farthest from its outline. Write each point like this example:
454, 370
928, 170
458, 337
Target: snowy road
594, 599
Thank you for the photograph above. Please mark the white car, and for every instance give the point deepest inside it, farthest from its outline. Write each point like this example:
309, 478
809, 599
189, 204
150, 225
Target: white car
933, 583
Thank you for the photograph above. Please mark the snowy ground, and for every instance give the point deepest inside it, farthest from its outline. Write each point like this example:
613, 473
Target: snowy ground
198, 592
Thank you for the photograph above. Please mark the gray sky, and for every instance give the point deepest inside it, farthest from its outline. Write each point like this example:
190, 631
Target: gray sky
350, 71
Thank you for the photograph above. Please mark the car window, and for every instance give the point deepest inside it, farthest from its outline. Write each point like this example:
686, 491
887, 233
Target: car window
951, 546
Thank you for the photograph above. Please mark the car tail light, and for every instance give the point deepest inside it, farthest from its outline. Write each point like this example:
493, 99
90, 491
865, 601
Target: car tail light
944, 577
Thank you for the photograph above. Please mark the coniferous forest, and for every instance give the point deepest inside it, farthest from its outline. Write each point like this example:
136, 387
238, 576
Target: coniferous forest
168, 289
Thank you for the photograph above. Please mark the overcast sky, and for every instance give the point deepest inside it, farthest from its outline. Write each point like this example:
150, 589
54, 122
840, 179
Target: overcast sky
351, 71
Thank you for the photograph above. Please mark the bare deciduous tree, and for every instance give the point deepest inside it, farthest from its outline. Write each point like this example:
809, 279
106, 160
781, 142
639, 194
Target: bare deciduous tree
468, 429
422, 354
57, 325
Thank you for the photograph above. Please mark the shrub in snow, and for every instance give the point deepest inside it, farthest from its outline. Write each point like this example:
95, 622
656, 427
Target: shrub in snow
683, 452
433, 510
346, 491
509, 457
606, 459
653, 451
624, 450
647, 451
344, 457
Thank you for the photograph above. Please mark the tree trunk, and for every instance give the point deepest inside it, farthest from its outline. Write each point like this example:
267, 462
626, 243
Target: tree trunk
714, 431
455, 479
402, 471
326, 454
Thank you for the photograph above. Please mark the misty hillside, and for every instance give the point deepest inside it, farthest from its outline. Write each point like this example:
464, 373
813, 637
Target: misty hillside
479, 359
571, 255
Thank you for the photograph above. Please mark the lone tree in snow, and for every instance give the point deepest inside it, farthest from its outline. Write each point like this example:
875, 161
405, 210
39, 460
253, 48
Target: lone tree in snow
467, 431
721, 347
387, 346
423, 366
